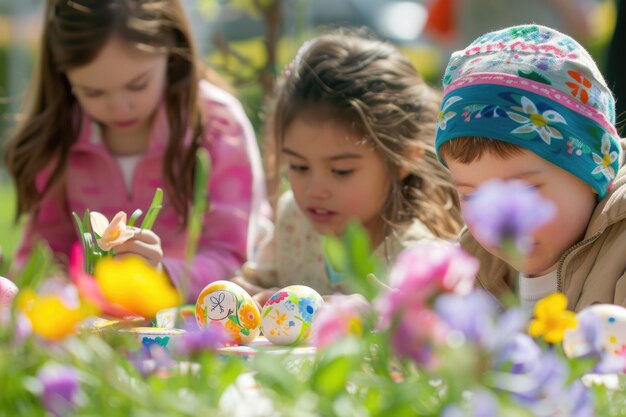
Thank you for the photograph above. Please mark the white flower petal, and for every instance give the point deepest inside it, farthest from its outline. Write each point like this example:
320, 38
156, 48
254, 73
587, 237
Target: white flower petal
554, 132
518, 117
99, 223
545, 135
606, 144
554, 117
525, 129
528, 106
597, 158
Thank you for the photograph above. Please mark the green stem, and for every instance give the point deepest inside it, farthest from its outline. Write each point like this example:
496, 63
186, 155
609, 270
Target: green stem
153, 211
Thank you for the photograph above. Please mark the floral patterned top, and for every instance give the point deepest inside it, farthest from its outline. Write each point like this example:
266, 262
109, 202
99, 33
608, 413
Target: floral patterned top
294, 254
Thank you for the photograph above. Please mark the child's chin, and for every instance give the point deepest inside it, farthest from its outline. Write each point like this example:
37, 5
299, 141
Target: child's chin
326, 231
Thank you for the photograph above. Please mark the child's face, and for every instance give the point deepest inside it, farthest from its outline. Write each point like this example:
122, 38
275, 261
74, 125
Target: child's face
573, 198
334, 177
121, 87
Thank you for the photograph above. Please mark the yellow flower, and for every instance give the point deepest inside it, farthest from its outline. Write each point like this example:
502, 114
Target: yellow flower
233, 331
50, 317
552, 318
135, 285
109, 235
249, 316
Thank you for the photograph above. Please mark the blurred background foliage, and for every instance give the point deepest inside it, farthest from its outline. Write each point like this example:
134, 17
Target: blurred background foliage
247, 42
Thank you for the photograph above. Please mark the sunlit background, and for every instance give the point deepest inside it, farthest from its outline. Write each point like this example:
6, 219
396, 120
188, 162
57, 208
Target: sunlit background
249, 41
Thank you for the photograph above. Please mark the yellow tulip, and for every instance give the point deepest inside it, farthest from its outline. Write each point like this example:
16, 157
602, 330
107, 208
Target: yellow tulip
135, 285
50, 317
552, 318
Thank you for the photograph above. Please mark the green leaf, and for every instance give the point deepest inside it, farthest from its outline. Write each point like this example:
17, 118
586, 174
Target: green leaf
360, 260
153, 211
34, 271
335, 253
200, 201
133, 217
334, 367
331, 378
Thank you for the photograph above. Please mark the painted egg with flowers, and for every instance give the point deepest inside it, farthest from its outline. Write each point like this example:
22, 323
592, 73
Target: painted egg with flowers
226, 304
287, 316
599, 326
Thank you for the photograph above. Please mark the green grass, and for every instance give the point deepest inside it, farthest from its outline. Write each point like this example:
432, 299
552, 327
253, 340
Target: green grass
9, 232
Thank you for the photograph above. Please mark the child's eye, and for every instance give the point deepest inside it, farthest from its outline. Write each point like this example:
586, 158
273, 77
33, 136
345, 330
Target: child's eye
343, 172
92, 94
138, 87
298, 168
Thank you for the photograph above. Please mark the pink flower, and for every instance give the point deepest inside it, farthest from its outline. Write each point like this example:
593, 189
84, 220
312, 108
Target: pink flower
339, 317
426, 270
421, 273
416, 334
109, 235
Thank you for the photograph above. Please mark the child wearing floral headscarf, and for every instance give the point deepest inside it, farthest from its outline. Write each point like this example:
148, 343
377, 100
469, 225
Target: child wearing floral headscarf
529, 103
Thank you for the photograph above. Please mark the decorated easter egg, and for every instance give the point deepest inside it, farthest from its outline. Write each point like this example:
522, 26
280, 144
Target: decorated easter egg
226, 304
181, 317
611, 325
287, 316
7, 291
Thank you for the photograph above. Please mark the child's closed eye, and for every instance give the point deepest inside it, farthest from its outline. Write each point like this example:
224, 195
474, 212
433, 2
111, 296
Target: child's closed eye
343, 172
92, 93
138, 87
298, 167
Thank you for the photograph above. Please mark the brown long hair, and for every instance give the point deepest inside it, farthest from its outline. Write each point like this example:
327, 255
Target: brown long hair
371, 86
74, 32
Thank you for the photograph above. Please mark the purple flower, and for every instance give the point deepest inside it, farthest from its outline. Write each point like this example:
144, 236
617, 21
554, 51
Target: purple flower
480, 404
59, 388
535, 378
522, 353
478, 317
206, 339
502, 212
473, 315
422, 272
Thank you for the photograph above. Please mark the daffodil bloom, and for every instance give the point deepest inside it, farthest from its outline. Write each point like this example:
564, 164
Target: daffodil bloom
135, 285
109, 235
552, 318
50, 315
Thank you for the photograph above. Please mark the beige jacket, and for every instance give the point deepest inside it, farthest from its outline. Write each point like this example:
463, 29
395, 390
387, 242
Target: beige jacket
592, 271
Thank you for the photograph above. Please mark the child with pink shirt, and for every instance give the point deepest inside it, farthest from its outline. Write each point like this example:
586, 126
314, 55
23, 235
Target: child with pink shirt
118, 107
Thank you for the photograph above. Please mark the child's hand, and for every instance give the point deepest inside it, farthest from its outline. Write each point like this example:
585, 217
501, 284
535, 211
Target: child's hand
262, 297
146, 244
249, 287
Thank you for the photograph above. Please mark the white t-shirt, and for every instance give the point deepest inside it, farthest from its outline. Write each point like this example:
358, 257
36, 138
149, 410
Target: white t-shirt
534, 289
128, 164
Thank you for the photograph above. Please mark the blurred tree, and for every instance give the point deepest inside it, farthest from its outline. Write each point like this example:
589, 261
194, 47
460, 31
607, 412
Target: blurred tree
271, 13
247, 70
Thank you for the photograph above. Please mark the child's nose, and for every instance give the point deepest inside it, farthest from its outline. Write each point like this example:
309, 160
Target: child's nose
318, 189
120, 104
